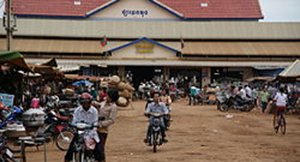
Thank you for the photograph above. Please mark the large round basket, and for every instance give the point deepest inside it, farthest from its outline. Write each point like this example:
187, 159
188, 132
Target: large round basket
129, 87
122, 102
125, 93
121, 86
114, 79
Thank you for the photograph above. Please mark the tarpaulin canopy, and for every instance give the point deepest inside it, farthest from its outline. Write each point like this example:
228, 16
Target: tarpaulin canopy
292, 71
83, 77
263, 79
52, 62
14, 58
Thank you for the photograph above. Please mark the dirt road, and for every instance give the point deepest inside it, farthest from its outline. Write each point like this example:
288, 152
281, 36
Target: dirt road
198, 133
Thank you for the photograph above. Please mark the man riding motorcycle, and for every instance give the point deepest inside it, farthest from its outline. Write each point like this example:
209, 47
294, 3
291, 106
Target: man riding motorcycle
156, 107
87, 114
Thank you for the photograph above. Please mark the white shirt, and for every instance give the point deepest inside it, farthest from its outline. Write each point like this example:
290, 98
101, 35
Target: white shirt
248, 91
243, 93
281, 99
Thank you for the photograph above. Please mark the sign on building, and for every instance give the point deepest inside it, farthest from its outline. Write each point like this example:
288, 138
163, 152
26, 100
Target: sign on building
7, 99
144, 47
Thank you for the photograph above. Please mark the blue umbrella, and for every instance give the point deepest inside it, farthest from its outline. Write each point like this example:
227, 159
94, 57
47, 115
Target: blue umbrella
83, 83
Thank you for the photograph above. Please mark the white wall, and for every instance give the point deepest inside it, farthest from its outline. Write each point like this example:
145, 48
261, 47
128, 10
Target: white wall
120, 10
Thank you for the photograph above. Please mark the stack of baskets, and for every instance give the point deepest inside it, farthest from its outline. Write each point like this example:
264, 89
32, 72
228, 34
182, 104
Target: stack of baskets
125, 90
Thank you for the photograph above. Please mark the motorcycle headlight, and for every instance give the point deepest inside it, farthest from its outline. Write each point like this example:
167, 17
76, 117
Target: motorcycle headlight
156, 121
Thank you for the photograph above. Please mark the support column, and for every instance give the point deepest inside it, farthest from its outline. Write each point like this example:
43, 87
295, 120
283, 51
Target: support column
122, 72
206, 76
166, 73
247, 73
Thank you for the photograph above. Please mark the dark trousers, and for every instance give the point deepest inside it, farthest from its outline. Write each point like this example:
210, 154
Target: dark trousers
99, 151
264, 106
71, 150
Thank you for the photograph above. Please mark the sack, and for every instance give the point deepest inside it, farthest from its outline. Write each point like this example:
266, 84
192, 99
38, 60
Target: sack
90, 143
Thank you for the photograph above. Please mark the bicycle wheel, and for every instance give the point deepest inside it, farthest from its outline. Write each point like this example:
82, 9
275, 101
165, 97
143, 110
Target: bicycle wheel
64, 139
223, 107
282, 125
274, 123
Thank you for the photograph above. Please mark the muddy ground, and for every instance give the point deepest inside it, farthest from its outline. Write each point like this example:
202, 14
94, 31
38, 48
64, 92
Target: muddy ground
198, 133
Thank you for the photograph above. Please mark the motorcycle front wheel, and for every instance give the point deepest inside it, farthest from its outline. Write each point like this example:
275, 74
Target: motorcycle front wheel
154, 139
64, 139
223, 107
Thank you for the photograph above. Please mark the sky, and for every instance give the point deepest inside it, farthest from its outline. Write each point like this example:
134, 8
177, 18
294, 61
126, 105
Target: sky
280, 10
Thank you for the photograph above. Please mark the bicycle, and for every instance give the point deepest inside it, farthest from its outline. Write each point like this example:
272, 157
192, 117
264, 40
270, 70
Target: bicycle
281, 122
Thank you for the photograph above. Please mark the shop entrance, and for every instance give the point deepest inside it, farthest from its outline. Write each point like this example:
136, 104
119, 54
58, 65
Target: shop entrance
143, 73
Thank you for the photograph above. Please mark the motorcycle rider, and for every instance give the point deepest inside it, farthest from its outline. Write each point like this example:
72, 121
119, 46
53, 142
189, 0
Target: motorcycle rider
85, 113
156, 107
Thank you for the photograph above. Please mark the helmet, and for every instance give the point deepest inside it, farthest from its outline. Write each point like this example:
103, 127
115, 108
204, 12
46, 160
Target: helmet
85, 97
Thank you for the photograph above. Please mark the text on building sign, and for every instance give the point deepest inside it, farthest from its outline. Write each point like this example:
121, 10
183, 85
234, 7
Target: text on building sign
141, 13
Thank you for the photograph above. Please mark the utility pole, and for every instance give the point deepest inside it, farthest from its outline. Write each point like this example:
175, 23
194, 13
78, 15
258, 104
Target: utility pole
9, 26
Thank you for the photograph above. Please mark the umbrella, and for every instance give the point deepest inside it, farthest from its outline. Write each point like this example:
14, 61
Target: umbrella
83, 82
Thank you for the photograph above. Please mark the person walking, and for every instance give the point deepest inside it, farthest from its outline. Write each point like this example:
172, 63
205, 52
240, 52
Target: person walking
107, 116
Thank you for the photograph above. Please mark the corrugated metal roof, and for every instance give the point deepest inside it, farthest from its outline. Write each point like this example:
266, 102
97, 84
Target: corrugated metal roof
242, 48
202, 48
156, 29
68, 46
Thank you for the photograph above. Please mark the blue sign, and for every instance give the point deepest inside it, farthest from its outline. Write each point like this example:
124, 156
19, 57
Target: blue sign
7, 99
141, 13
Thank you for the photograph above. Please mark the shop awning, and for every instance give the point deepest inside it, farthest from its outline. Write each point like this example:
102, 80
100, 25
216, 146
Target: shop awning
14, 58
52, 62
178, 63
83, 77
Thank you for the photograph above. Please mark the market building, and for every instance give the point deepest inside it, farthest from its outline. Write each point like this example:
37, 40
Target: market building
207, 39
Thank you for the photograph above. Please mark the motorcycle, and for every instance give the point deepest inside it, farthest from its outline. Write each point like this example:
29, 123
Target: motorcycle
6, 154
167, 118
226, 102
155, 137
83, 147
9, 115
57, 128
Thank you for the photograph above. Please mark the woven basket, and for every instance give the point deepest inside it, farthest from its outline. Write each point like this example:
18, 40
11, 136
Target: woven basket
104, 84
125, 93
114, 79
121, 86
122, 102
129, 87
112, 85
69, 92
